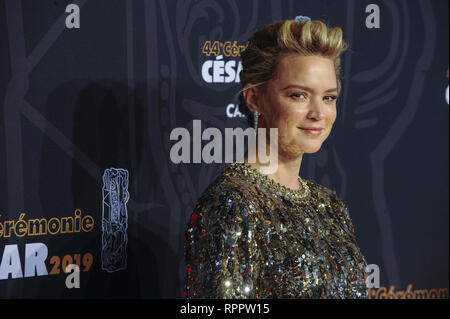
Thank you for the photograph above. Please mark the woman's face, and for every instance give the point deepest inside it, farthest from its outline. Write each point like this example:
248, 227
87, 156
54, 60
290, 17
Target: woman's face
303, 94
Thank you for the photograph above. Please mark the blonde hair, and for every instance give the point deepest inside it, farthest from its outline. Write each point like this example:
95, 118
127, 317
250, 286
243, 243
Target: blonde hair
272, 42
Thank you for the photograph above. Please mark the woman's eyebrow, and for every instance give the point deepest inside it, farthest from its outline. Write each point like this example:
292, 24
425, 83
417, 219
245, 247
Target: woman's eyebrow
307, 88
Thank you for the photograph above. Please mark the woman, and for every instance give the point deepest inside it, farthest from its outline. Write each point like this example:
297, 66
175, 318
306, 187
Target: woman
253, 235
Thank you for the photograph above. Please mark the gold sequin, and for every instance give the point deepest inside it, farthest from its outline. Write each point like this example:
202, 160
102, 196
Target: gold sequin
250, 237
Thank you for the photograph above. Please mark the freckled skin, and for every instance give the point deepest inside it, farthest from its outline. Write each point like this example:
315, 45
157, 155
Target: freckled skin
288, 109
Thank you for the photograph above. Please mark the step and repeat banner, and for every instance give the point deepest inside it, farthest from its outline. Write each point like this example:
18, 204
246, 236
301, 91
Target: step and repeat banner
93, 206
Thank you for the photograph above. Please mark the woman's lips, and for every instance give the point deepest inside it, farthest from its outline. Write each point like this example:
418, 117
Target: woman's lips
312, 131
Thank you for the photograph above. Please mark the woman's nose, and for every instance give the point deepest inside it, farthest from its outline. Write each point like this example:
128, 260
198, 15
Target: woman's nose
316, 109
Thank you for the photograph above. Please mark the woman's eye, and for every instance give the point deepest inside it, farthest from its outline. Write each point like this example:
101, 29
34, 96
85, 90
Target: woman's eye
328, 98
331, 97
298, 95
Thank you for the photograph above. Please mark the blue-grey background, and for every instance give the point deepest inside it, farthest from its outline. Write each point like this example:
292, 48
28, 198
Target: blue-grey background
74, 102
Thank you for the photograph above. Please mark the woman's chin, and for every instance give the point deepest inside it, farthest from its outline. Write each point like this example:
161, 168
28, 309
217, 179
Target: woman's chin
295, 150
310, 149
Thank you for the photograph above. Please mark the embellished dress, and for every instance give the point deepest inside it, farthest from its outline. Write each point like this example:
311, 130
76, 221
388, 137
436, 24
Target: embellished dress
251, 237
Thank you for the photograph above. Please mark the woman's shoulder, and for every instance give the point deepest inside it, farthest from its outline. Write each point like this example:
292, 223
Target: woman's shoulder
227, 186
329, 197
223, 201
321, 191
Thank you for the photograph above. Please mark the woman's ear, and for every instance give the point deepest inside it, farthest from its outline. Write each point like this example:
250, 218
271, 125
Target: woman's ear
252, 98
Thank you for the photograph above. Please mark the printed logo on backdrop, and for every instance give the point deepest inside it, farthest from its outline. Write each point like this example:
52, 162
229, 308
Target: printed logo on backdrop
222, 66
409, 293
36, 260
114, 219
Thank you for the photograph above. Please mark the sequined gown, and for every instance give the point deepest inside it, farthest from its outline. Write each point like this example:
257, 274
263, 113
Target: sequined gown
250, 237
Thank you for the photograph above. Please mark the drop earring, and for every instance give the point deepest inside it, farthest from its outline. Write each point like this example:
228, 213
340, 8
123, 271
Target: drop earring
255, 121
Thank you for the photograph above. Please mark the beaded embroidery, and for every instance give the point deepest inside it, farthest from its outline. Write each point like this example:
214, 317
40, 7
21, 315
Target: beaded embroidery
249, 237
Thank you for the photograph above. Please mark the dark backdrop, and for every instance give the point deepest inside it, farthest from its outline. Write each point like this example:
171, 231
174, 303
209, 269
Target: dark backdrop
77, 101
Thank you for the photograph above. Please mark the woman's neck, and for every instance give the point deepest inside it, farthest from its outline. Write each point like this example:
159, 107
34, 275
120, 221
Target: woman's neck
286, 172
